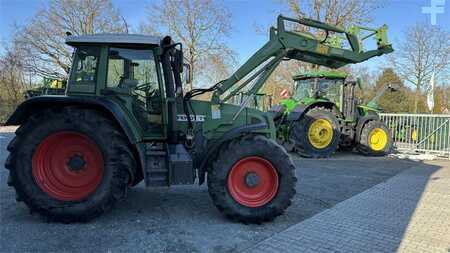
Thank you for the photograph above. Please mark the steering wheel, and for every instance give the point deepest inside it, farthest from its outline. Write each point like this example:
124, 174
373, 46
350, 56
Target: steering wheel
147, 88
143, 87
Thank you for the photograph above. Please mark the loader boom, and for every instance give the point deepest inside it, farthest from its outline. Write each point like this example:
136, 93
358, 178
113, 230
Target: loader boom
374, 101
285, 44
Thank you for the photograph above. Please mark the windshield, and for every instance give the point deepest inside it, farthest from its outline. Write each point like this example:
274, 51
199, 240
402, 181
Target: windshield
310, 88
303, 89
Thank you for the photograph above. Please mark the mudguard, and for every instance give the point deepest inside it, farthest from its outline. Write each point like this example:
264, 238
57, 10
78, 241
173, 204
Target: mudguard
108, 106
361, 122
39, 103
300, 109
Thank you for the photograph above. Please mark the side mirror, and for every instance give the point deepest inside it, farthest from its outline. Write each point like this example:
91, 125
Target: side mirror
178, 59
187, 73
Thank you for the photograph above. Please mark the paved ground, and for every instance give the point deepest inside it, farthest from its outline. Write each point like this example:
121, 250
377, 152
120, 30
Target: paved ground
183, 219
408, 213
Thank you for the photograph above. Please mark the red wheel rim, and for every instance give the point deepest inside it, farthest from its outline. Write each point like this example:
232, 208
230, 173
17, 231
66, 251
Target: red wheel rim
67, 165
253, 181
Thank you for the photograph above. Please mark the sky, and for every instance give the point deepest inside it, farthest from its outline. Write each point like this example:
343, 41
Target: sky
246, 16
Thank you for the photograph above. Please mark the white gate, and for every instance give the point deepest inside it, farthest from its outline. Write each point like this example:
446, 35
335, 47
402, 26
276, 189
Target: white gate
426, 133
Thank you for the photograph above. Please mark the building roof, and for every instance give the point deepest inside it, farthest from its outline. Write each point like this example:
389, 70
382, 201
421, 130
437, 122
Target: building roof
330, 74
114, 39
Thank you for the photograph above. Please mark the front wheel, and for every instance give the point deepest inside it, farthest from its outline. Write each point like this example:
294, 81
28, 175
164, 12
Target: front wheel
252, 180
316, 134
375, 139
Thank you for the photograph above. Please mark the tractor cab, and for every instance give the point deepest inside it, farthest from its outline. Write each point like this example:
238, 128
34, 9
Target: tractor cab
319, 85
130, 68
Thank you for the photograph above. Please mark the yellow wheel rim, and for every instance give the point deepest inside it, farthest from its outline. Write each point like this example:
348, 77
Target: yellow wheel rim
320, 133
414, 135
378, 139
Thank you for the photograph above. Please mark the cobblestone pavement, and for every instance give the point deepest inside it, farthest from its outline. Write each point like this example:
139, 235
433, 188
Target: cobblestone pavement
408, 213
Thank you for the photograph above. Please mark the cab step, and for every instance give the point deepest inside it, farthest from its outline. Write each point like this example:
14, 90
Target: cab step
167, 165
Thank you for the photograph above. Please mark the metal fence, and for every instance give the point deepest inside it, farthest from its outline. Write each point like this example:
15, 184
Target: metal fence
425, 133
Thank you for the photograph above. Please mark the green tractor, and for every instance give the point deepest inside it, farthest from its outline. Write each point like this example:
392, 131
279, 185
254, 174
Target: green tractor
124, 119
50, 86
323, 114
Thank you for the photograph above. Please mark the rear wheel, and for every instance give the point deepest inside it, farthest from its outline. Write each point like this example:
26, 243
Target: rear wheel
252, 180
375, 139
316, 134
69, 165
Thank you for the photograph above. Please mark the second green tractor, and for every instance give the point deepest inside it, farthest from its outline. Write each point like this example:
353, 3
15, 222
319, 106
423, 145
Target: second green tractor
323, 114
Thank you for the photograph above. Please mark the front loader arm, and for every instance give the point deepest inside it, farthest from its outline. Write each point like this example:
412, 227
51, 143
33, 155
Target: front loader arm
373, 103
291, 45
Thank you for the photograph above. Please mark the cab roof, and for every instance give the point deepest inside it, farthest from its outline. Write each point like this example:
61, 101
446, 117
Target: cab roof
329, 74
110, 38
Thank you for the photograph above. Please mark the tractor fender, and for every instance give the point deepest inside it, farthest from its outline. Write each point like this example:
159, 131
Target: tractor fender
108, 106
40, 103
361, 122
216, 144
301, 109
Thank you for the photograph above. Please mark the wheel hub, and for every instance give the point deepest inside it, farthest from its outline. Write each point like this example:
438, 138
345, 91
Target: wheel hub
378, 139
68, 166
253, 181
76, 163
320, 133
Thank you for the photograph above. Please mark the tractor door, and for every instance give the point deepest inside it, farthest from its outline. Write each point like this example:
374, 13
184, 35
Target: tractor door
136, 70
349, 108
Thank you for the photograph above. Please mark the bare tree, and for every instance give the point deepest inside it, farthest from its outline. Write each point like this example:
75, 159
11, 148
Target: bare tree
336, 12
13, 81
424, 50
43, 38
201, 26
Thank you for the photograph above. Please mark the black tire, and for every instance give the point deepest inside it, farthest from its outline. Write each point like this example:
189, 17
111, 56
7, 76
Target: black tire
300, 128
364, 146
117, 160
237, 150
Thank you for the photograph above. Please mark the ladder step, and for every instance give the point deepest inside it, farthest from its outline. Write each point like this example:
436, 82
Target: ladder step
156, 178
158, 171
155, 153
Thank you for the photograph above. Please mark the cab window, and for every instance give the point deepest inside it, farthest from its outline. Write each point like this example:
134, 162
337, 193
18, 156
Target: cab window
134, 70
131, 67
85, 71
